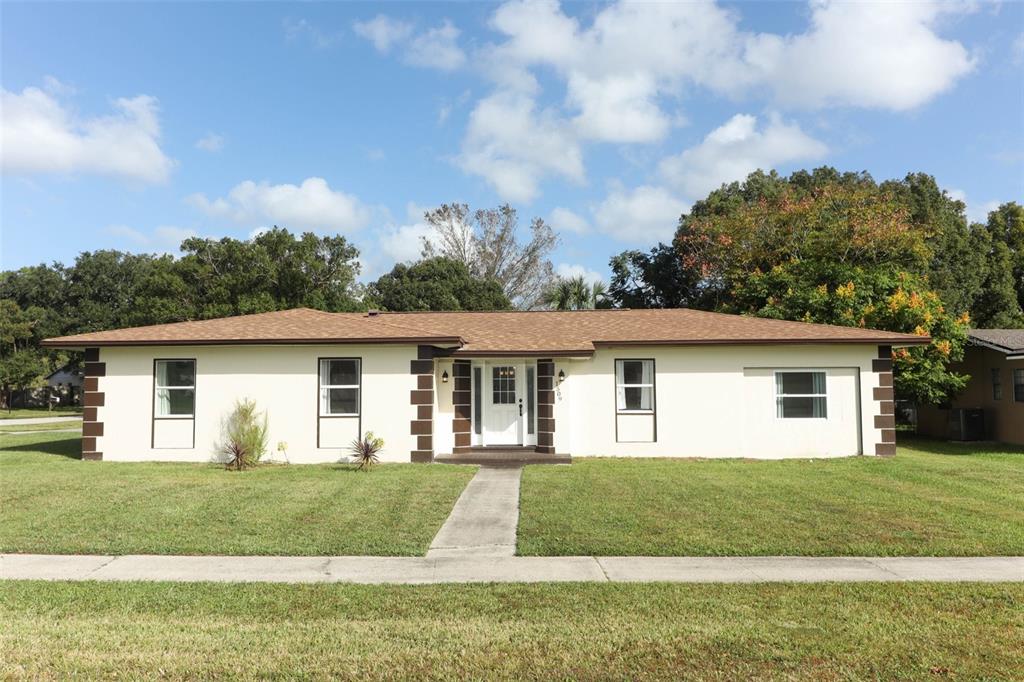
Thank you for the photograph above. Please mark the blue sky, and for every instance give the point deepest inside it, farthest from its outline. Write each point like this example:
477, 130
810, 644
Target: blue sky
130, 126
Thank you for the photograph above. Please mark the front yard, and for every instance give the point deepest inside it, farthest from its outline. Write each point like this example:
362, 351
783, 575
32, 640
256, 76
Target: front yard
52, 503
931, 499
27, 412
552, 631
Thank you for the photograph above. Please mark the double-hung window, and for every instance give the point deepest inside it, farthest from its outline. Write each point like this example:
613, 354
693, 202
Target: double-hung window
634, 385
1018, 385
800, 395
997, 384
175, 389
339, 387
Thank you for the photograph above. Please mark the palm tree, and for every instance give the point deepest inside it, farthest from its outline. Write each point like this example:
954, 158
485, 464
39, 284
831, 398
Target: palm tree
574, 293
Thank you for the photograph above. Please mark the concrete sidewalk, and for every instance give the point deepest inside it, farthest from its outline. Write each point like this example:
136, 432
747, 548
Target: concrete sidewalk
484, 520
469, 569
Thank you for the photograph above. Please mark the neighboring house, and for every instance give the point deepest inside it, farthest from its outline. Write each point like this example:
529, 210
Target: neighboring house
994, 358
65, 385
643, 383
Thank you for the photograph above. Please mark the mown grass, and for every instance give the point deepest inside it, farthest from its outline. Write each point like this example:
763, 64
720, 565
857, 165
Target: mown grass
931, 499
28, 412
552, 631
52, 503
51, 426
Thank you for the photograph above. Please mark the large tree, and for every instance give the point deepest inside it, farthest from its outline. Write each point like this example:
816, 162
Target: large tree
435, 284
21, 362
576, 293
487, 241
1001, 301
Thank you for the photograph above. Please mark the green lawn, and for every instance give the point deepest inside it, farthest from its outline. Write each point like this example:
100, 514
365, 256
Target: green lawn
931, 499
555, 631
50, 502
26, 412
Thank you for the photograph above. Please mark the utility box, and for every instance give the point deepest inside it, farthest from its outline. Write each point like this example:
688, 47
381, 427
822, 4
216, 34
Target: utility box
967, 424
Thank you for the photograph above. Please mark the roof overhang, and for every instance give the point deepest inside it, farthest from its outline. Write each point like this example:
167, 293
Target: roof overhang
452, 341
896, 343
1011, 353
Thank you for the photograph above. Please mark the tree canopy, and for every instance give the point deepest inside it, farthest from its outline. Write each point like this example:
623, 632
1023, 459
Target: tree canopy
839, 248
435, 284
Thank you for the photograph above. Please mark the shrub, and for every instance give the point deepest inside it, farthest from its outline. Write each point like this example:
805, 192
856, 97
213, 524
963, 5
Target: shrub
364, 450
245, 435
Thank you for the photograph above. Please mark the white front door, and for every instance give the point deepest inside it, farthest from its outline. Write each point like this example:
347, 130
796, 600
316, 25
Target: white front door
503, 393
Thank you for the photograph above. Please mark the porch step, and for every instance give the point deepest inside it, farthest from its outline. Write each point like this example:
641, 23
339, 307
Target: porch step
503, 456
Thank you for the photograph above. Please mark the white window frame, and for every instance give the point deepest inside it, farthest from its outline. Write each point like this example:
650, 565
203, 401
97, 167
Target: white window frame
778, 396
157, 388
327, 387
622, 386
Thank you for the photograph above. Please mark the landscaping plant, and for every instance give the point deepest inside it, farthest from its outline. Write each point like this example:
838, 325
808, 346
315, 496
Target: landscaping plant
245, 435
364, 450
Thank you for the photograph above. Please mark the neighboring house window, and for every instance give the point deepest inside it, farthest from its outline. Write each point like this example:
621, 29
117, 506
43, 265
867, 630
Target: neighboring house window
634, 385
504, 385
175, 387
339, 387
800, 395
1018, 385
997, 385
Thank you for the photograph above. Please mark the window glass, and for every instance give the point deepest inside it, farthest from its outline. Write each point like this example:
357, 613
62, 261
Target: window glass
634, 385
503, 385
997, 385
175, 391
339, 386
1018, 385
801, 395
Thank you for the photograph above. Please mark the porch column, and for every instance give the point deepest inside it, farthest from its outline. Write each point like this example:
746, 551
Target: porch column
422, 397
546, 406
462, 405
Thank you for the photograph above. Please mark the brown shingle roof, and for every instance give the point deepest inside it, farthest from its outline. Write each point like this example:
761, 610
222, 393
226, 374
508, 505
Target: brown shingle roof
483, 333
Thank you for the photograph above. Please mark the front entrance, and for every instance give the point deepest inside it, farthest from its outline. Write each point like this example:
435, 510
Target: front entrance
504, 400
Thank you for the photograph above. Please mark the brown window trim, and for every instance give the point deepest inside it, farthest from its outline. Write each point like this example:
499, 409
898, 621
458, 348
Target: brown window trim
654, 397
316, 404
195, 404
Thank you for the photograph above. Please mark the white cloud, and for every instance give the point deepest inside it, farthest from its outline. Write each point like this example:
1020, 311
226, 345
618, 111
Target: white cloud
566, 220
383, 31
40, 135
313, 205
735, 149
434, 48
163, 239
568, 270
210, 142
882, 55
513, 146
404, 243
302, 29
641, 215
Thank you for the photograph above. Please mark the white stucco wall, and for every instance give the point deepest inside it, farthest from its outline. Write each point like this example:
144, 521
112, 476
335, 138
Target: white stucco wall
711, 401
281, 379
719, 401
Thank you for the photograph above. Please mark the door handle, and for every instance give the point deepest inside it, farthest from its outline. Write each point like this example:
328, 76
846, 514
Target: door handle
520, 407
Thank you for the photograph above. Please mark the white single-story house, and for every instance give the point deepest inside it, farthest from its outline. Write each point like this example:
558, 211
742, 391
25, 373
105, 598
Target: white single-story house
626, 383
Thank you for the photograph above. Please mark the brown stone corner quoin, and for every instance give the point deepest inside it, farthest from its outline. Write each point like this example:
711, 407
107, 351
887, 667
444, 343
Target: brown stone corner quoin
92, 400
422, 398
885, 416
546, 406
462, 405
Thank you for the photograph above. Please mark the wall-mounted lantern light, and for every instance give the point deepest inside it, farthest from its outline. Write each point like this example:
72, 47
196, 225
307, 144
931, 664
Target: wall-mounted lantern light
444, 377
561, 375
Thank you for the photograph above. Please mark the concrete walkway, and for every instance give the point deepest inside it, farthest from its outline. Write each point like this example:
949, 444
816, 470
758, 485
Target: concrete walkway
469, 569
483, 521
24, 421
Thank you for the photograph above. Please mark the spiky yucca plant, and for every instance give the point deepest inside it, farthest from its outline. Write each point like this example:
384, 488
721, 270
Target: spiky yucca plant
365, 450
245, 435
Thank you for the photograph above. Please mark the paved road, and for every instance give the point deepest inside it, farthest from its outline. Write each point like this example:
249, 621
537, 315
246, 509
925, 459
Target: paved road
463, 569
38, 420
